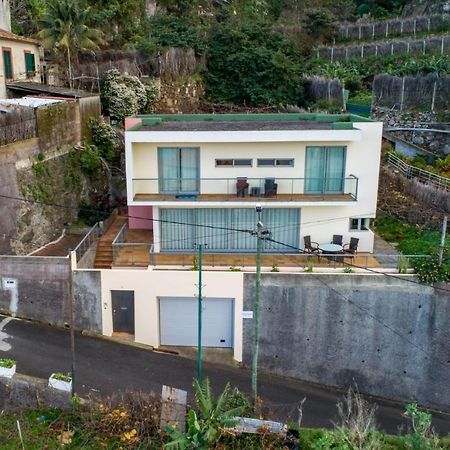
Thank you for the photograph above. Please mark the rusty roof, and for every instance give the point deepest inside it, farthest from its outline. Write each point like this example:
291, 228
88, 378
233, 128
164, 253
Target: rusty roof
15, 37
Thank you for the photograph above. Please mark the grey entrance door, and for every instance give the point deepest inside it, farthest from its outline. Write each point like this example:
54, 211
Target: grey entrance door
179, 318
123, 311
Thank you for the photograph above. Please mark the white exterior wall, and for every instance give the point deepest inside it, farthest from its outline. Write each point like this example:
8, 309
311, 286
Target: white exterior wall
149, 285
320, 219
18, 62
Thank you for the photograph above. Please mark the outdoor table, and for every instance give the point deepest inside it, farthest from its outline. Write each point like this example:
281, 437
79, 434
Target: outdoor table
331, 248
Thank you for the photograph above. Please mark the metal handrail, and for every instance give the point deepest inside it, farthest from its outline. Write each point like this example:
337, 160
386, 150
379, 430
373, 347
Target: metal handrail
90, 237
422, 175
259, 182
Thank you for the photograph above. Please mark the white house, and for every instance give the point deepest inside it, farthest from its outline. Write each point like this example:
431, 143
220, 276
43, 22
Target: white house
19, 56
314, 175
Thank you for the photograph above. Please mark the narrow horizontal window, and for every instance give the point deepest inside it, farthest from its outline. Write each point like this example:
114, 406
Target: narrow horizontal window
285, 162
242, 162
266, 162
361, 224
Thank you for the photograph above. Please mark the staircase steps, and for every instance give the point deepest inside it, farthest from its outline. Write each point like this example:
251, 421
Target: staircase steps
104, 256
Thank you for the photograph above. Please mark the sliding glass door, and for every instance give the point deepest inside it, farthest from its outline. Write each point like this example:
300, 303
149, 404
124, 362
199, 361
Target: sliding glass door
179, 171
325, 169
284, 224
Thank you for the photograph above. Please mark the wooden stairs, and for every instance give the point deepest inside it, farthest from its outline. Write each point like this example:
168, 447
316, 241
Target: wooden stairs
104, 255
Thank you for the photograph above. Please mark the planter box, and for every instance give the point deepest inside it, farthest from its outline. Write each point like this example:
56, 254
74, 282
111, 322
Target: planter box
7, 372
60, 384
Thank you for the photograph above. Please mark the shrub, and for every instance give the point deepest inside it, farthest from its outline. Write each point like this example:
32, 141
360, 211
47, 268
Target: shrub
423, 436
62, 377
104, 138
7, 363
122, 102
90, 160
253, 65
428, 270
138, 88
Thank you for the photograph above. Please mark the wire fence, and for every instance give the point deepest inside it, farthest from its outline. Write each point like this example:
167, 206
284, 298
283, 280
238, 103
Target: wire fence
430, 92
431, 45
17, 124
394, 27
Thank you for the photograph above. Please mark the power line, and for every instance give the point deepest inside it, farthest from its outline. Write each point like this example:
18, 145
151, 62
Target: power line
364, 268
104, 212
376, 318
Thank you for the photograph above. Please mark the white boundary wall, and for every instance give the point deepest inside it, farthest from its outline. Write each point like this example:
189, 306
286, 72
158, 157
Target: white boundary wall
149, 285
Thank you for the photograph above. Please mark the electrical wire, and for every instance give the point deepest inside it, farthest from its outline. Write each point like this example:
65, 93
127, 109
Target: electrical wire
105, 213
376, 318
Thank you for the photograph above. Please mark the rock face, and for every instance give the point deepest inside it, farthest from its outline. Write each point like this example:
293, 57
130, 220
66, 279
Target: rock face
434, 141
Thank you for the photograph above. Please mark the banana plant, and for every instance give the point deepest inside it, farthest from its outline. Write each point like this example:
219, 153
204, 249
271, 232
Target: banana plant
205, 429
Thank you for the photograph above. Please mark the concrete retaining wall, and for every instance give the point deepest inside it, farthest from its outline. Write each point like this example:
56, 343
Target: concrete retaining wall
37, 288
389, 336
23, 392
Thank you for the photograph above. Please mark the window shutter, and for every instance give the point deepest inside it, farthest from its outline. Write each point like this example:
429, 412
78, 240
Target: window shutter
8, 64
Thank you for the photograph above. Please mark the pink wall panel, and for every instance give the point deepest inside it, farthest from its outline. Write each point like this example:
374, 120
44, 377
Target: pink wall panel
138, 216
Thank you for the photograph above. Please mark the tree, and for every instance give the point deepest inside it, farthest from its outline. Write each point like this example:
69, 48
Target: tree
63, 28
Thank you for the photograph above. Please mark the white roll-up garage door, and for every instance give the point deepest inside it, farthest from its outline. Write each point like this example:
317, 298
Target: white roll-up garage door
178, 321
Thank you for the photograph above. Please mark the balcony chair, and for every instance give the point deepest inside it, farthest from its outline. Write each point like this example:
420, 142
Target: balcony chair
310, 247
351, 248
241, 187
337, 239
270, 187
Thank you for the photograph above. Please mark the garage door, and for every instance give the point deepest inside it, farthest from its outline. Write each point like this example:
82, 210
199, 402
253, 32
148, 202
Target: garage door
178, 318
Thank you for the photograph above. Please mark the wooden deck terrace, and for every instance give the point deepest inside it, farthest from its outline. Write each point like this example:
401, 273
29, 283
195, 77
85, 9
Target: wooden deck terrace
138, 255
235, 198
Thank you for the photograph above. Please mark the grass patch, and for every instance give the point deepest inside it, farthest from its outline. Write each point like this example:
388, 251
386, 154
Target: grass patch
411, 240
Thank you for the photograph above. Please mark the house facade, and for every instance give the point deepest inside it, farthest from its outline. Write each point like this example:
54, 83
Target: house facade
19, 56
313, 175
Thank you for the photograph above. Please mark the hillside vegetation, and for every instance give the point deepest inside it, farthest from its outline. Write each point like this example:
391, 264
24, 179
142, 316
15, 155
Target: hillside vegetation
249, 52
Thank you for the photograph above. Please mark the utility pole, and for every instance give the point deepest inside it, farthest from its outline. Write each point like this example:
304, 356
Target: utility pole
442, 246
71, 318
200, 316
259, 233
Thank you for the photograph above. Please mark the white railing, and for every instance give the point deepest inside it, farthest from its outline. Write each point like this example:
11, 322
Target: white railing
424, 176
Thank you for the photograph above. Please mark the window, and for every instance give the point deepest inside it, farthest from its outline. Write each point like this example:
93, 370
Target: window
30, 65
7, 62
271, 162
234, 162
361, 224
325, 167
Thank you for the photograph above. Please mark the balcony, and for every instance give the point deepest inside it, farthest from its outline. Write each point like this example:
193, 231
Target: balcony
243, 189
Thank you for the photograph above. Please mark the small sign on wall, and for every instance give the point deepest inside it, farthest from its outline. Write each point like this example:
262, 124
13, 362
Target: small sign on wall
247, 314
8, 283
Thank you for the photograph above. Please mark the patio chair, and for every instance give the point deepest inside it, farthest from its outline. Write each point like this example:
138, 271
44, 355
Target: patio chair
351, 248
270, 187
242, 187
337, 239
310, 246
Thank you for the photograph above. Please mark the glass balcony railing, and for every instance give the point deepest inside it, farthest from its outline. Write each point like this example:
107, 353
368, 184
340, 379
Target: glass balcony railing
241, 188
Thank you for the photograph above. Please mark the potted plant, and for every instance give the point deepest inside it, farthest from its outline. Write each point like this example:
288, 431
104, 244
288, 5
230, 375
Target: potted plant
7, 367
60, 381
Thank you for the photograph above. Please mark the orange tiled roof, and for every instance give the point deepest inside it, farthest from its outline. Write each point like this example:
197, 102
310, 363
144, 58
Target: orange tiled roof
14, 37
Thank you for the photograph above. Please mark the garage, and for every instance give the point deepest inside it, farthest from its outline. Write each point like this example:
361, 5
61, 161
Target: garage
178, 321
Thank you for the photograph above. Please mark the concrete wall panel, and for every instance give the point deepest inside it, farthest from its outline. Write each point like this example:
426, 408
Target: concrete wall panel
389, 336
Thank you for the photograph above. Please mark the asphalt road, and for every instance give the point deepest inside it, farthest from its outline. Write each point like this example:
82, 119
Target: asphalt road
105, 367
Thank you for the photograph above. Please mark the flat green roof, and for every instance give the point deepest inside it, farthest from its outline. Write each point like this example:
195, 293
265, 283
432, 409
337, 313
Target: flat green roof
303, 120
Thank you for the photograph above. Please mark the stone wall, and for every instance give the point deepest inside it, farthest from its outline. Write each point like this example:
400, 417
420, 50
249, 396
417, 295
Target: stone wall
58, 125
22, 392
387, 335
438, 143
